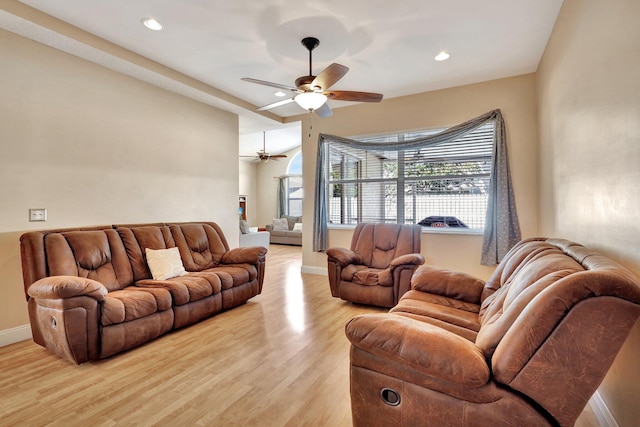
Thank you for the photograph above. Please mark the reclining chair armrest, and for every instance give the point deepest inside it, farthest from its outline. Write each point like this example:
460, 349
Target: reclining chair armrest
246, 255
407, 259
425, 348
344, 256
65, 313
63, 287
440, 281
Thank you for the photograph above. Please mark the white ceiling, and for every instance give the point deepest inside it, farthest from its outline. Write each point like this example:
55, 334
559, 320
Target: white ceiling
388, 46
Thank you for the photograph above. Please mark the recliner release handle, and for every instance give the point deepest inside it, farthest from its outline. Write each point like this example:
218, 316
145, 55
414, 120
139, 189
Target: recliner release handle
390, 396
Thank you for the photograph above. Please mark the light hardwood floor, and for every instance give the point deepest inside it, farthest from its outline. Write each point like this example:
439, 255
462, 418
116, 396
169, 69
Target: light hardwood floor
280, 360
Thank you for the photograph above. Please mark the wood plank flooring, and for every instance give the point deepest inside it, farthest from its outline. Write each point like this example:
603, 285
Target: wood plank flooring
280, 360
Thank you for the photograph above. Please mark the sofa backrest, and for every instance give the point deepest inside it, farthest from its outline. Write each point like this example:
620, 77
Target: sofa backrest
95, 254
554, 324
115, 255
379, 244
511, 262
137, 238
291, 220
34, 257
529, 270
201, 245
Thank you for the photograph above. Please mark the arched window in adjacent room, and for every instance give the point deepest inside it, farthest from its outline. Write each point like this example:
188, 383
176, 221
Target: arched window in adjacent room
290, 188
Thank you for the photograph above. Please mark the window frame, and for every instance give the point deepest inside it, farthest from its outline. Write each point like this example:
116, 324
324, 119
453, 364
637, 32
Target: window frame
293, 173
482, 154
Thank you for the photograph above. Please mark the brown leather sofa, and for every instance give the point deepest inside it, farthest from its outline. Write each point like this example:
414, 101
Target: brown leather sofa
377, 269
527, 348
91, 294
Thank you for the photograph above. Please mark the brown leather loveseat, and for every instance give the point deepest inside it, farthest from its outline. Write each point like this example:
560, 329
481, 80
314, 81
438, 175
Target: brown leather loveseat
527, 348
92, 294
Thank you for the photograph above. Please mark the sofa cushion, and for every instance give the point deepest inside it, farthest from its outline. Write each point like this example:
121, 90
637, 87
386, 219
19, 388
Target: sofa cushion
186, 289
133, 303
280, 224
140, 237
378, 244
98, 255
201, 245
363, 275
542, 271
460, 314
291, 220
292, 234
234, 275
164, 263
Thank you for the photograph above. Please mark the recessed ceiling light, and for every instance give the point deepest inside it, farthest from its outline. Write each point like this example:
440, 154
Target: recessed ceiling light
152, 24
280, 93
442, 56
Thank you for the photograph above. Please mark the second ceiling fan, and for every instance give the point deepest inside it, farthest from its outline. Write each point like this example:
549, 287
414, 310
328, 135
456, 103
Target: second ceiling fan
312, 92
262, 155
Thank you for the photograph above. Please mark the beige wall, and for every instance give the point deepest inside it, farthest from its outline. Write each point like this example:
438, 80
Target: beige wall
589, 109
96, 147
515, 97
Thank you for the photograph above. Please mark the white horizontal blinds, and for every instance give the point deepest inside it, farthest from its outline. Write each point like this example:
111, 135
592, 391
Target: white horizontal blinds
445, 179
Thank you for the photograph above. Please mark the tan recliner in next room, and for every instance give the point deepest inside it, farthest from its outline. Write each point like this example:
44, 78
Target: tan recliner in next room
378, 268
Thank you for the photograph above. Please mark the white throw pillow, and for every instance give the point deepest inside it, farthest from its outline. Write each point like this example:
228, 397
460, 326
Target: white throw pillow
297, 226
165, 263
280, 224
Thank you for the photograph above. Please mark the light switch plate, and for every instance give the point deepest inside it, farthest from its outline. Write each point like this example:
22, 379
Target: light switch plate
37, 215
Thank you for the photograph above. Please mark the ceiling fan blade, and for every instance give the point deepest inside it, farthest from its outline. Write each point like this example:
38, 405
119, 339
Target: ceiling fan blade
275, 104
278, 156
348, 95
324, 111
266, 83
329, 76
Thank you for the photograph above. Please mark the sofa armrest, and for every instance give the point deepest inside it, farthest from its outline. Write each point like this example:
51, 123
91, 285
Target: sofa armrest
451, 284
407, 259
426, 348
246, 255
344, 256
62, 287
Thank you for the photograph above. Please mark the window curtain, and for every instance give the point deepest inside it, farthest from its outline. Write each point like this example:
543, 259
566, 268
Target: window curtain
282, 197
501, 231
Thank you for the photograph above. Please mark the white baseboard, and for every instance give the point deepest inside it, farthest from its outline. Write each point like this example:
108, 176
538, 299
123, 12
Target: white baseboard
13, 335
310, 269
601, 411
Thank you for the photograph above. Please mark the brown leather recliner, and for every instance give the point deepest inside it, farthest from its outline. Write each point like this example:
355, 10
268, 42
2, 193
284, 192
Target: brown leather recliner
378, 268
527, 348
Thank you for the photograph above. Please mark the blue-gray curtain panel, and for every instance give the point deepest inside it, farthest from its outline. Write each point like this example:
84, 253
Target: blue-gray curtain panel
282, 197
502, 229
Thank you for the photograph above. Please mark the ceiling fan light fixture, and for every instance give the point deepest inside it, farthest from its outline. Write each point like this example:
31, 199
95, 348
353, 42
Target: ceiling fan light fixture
310, 100
151, 24
442, 56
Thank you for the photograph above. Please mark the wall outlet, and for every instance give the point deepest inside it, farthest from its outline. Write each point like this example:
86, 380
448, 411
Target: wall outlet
37, 215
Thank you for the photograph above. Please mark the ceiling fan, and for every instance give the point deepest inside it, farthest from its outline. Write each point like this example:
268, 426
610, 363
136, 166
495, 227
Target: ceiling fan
312, 92
262, 155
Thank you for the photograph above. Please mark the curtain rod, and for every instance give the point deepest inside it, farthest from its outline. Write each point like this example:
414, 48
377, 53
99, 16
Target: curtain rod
289, 175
